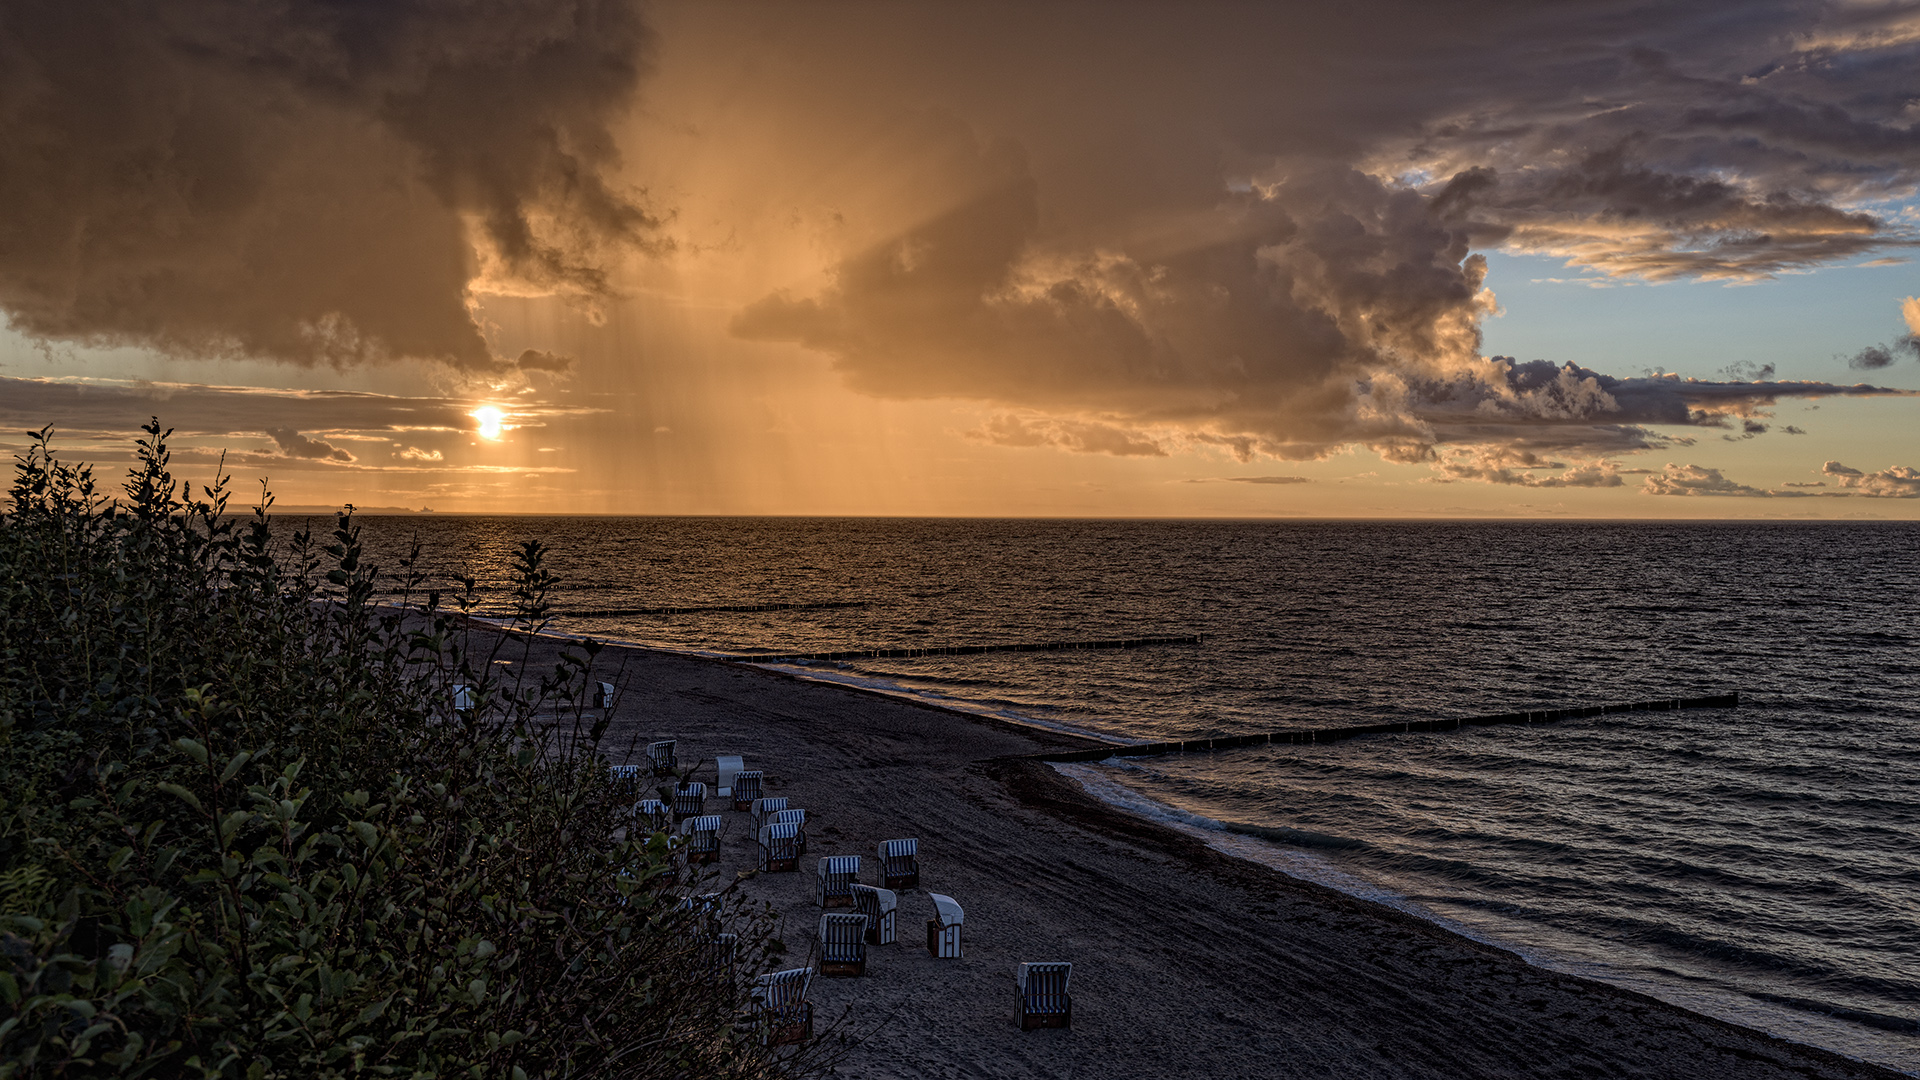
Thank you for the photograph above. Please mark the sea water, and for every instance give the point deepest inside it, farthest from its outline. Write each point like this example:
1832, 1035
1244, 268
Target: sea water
1757, 864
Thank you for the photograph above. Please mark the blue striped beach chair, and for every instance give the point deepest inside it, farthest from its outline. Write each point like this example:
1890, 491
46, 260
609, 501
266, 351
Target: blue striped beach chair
652, 815
625, 780
793, 817
702, 836
1044, 1000
837, 875
879, 906
689, 800
900, 863
786, 1016
764, 808
843, 944
661, 758
746, 788
780, 847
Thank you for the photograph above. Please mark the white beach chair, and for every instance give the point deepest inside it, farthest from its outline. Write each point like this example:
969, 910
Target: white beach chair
653, 814
764, 808
900, 863
1044, 1000
879, 906
702, 835
943, 930
463, 698
703, 907
843, 944
793, 817
837, 875
780, 847
746, 788
786, 1016
728, 766
660, 756
603, 699
689, 800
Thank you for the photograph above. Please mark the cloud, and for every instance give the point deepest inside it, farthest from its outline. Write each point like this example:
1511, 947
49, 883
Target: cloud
539, 360
1694, 480
1897, 482
294, 444
1250, 480
1874, 357
1272, 248
1090, 438
316, 183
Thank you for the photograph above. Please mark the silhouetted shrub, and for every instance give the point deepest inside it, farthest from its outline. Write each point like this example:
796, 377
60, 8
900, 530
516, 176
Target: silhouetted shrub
243, 832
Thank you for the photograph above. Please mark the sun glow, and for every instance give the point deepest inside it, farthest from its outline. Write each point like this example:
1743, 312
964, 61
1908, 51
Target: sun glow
490, 420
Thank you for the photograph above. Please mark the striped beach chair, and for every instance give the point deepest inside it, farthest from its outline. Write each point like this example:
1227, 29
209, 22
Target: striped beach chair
780, 847
625, 780
786, 1017
703, 908
718, 955
689, 800
1044, 1000
660, 757
796, 818
603, 695
843, 944
943, 930
837, 875
652, 814
879, 906
746, 788
702, 835
764, 808
900, 863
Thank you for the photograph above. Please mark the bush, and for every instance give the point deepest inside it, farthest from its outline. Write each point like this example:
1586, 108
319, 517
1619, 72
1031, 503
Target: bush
244, 833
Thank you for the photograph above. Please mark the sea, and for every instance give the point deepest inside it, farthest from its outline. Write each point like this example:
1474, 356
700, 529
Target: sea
1760, 864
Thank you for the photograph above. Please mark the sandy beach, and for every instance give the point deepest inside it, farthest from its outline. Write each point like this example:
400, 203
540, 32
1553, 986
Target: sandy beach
1186, 962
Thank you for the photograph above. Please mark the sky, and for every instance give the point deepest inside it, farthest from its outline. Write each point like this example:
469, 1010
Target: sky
1589, 260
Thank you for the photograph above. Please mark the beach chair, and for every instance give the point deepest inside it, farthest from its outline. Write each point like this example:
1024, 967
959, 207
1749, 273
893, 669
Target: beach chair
843, 944
702, 835
763, 809
746, 788
660, 757
793, 817
718, 955
1044, 1001
786, 1017
943, 930
837, 875
689, 800
603, 699
900, 863
780, 847
704, 908
463, 698
653, 814
625, 780
728, 766
878, 905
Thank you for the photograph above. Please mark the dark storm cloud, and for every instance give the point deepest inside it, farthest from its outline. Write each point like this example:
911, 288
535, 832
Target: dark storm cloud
1256, 230
1875, 357
314, 182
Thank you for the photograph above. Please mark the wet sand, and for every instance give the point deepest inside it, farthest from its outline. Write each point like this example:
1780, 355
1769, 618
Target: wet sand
1187, 963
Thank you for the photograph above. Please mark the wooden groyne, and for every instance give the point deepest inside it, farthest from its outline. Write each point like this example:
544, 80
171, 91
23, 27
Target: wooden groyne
1306, 736
970, 650
613, 613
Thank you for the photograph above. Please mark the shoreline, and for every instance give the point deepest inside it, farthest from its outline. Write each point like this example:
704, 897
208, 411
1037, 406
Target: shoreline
1261, 951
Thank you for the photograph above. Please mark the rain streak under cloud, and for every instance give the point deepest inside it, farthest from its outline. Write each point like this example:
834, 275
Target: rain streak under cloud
1128, 231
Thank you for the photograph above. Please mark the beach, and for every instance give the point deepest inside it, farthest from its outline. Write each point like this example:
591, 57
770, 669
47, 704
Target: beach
1186, 962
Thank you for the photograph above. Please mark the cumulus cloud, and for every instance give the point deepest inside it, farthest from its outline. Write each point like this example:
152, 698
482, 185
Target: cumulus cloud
1695, 480
1092, 438
317, 183
294, 444
1287, 280
1897, 482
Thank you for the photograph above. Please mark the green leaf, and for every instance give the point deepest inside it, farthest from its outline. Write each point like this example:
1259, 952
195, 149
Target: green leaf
192, 748
239, 762
183, 794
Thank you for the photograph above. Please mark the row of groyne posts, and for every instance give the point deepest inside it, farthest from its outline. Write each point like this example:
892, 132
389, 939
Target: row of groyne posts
1308, 736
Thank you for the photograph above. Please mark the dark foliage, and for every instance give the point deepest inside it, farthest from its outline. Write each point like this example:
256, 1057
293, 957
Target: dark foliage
243, 832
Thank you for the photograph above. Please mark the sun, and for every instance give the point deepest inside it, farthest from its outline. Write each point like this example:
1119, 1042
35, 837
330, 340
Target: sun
491, 421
